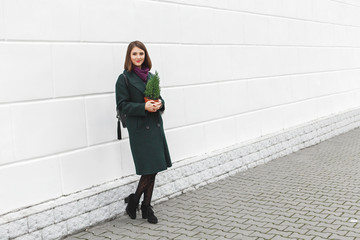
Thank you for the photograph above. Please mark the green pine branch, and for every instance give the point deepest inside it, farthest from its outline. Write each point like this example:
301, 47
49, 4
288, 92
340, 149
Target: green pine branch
152, 90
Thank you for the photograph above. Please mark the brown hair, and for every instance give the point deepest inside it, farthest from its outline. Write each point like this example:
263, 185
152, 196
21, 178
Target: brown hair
128, 64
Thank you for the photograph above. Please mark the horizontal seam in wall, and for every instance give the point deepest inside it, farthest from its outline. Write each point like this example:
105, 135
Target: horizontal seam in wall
345, 3
75, 97
249, 12
52, 42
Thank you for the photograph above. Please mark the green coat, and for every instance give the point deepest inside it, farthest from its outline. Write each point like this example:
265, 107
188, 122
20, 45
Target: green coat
146, 133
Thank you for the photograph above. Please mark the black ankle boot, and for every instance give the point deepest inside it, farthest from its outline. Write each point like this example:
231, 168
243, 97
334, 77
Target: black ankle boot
132, 206
148, 213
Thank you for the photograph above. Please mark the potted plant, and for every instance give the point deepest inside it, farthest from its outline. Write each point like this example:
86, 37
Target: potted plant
152, 90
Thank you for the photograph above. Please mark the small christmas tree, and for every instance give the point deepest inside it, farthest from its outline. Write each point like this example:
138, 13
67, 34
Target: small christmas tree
152, 90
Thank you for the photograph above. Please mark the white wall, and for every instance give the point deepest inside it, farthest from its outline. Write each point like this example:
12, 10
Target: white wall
230, 71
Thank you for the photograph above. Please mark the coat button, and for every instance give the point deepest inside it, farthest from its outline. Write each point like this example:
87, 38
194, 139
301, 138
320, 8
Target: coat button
147, 127
158, 124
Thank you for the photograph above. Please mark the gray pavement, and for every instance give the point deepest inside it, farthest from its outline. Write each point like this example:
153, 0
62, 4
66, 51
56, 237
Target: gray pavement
311, 194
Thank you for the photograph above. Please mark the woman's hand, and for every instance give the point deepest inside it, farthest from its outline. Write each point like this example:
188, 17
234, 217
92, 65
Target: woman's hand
153, 106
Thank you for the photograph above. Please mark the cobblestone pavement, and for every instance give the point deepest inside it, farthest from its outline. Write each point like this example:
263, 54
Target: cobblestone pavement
311, 194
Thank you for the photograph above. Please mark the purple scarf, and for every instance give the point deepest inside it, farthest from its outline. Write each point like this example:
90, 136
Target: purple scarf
142, 73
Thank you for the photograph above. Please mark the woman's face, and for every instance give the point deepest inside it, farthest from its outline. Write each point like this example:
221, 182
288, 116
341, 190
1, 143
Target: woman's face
137, 56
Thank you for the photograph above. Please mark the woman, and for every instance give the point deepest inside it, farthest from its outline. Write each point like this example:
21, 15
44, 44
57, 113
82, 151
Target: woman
144, 123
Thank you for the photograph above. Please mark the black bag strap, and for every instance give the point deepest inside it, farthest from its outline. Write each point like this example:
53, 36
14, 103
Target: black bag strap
126, 80
118, 130
118, 112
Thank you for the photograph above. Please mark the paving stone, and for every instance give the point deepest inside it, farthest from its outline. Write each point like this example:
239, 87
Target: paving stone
111, 235
186, 226
221, 227
336, 236
255, 223
94, 237
203, 230
262, 235
97, 230
277, 237
205, 236
236, 220
301, 236
188, 233
331, 230
164, 234
258, 229
275, 226
72, 238
184, 237
350, 229
223, 235
241, 236
79, 235
127, 238
296, 230
352, 234
318, 234
344, 223
279, 233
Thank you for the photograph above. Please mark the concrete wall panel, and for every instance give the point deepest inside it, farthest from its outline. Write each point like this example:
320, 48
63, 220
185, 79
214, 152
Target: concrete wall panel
201, 103
66, 20
174, 114
6, 133
101, 121
196, 24
31, 20
119, 53
29, 183
48, 127
83, 69
154, 14
228, 27
25, 72
298, 113
127, 163
184, 68
89, 167
107, 21
256, 30
2, 25
247, 126
220, 134
233, 98
191, 138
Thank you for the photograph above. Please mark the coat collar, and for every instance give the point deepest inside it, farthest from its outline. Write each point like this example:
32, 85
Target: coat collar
136, 81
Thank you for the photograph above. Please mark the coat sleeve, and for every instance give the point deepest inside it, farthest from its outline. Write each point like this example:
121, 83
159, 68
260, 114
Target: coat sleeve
163, 105
123, 100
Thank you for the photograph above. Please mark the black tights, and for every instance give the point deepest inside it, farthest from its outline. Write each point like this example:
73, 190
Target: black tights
146, 186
